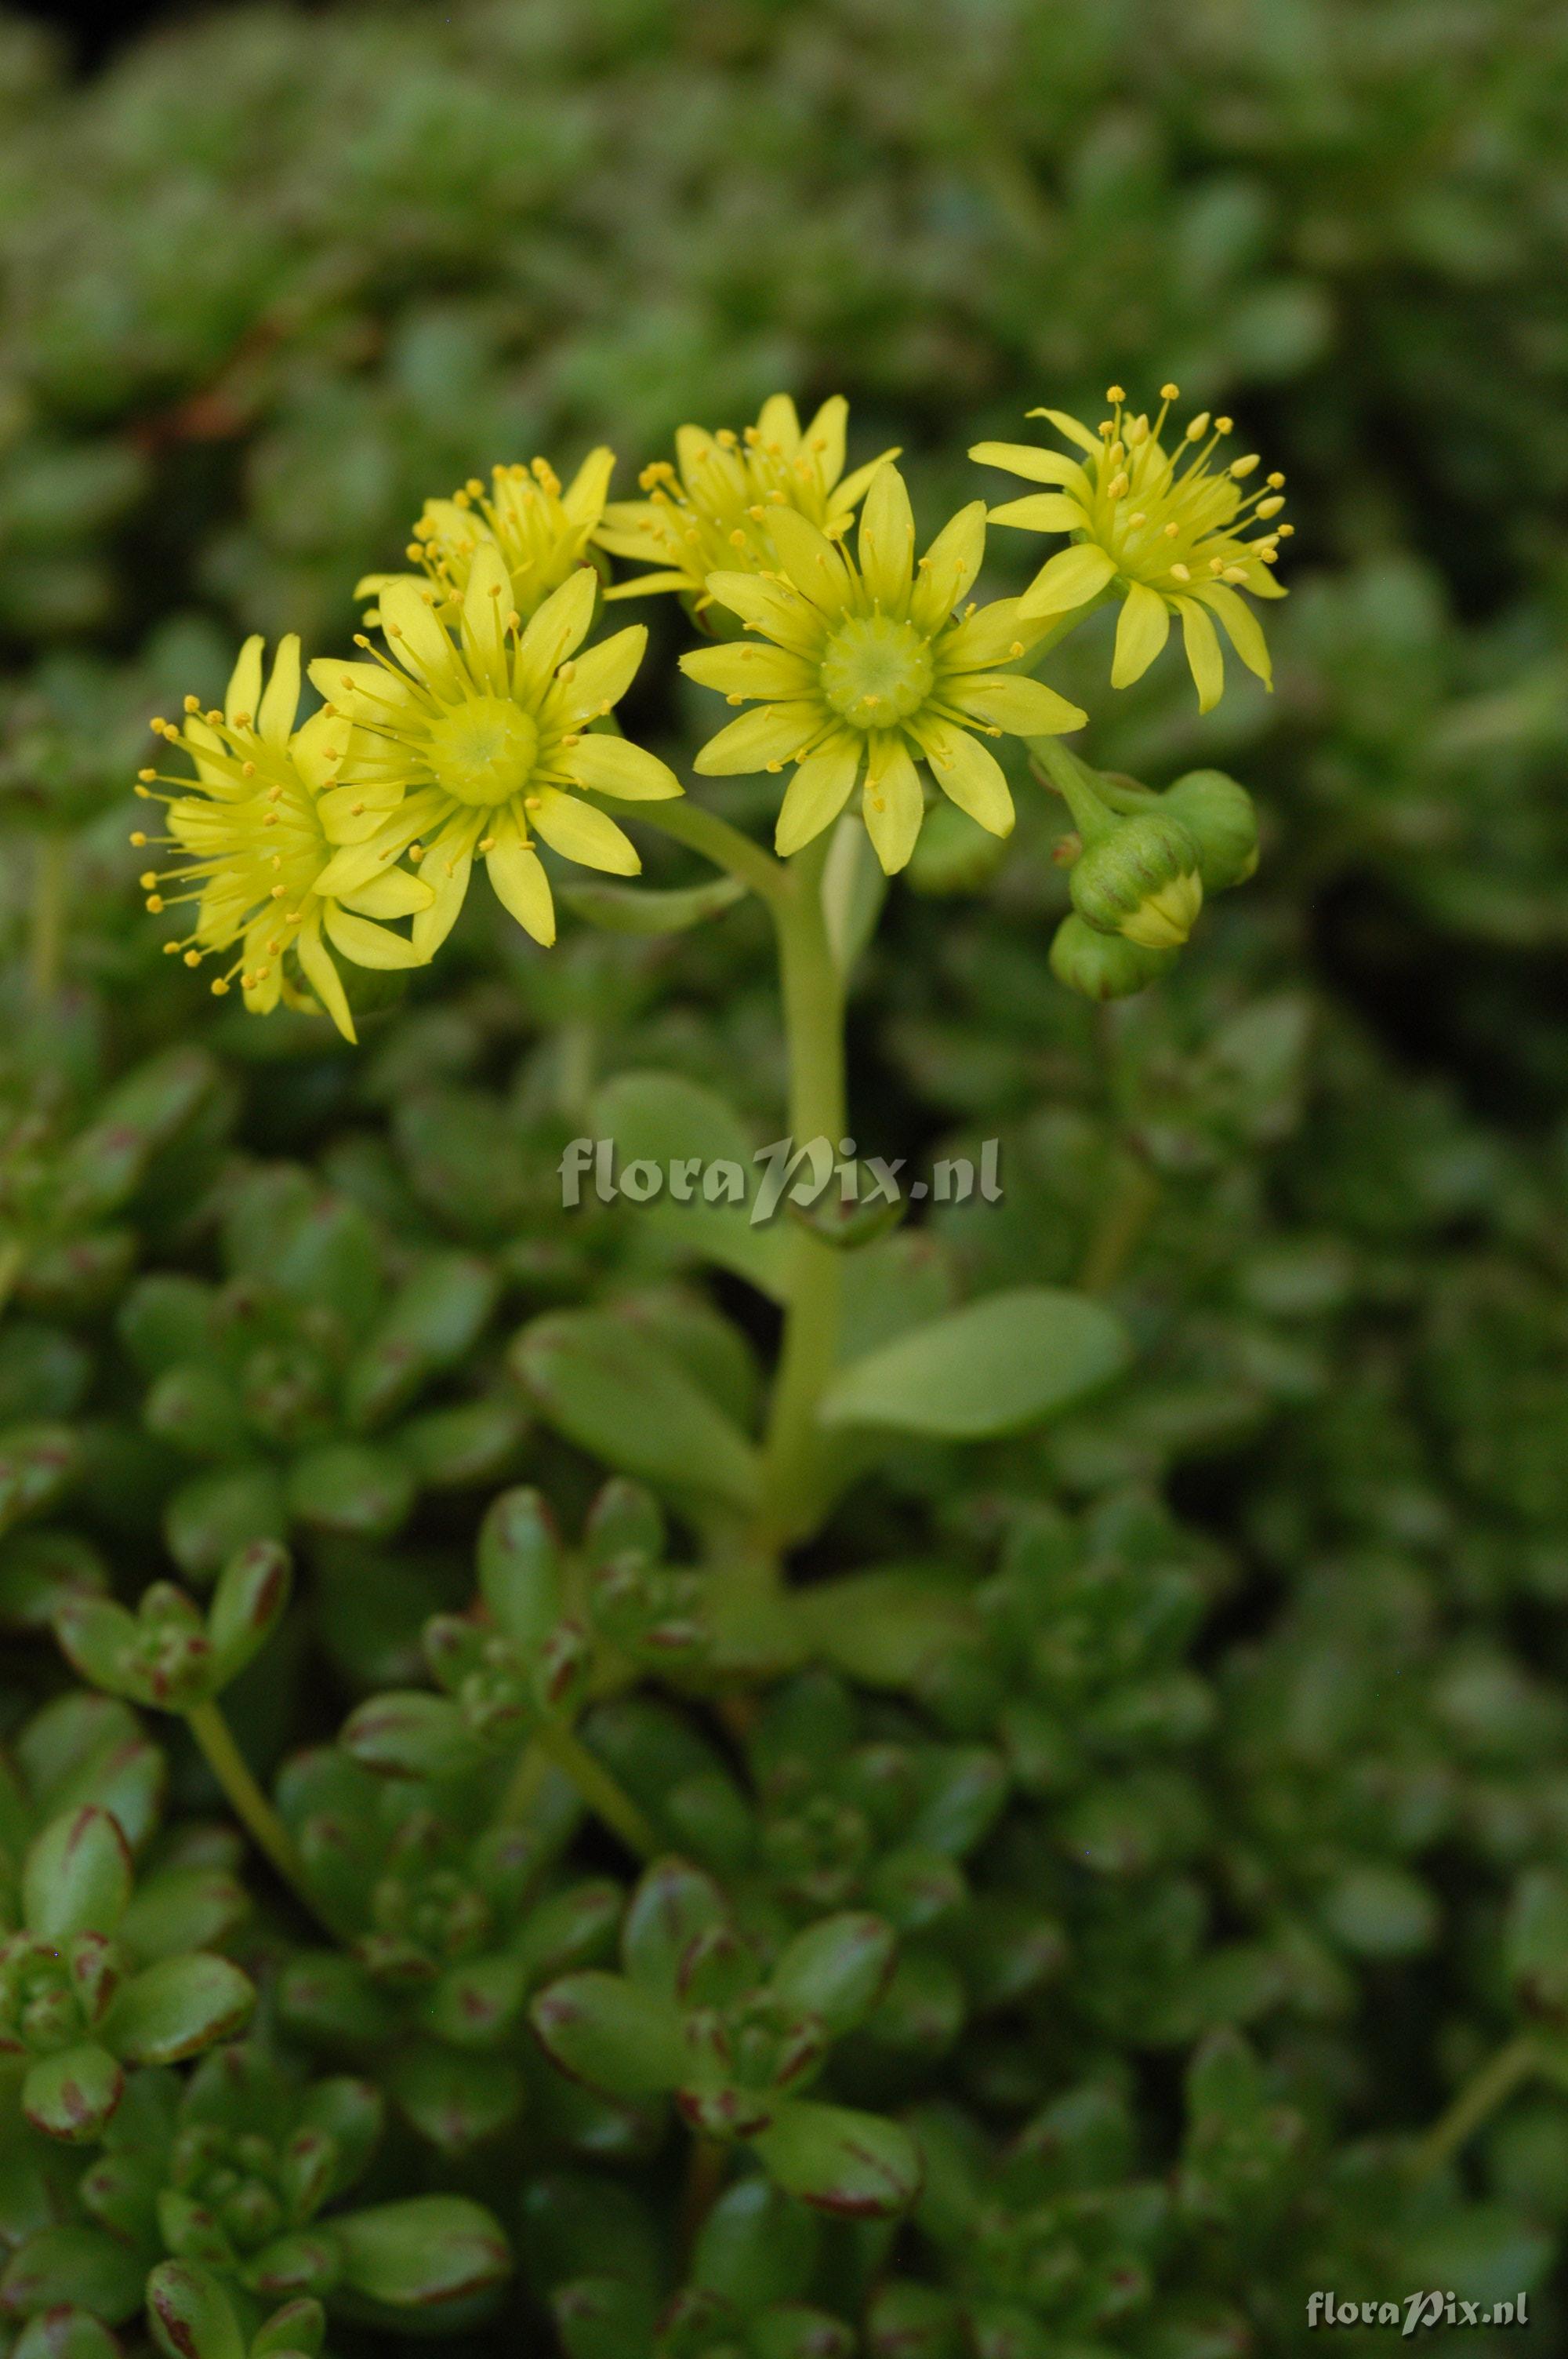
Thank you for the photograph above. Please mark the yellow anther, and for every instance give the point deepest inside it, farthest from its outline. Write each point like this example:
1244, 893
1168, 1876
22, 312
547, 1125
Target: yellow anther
1170, 392
138, 839
192, 958
1197, 427
1241, 467
193, 705
1114, 393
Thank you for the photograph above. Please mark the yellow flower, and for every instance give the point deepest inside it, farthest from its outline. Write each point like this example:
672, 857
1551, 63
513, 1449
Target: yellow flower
869, 670
255, 828
479, 740
714, 508
542, 532
1166, 530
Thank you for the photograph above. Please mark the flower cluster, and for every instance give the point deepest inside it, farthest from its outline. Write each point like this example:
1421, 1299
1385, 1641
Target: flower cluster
483, 728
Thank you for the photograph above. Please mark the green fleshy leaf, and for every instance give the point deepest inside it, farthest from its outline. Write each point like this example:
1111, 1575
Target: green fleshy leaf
663, 1119
614, 1393
837, 1969
355, 1488
619, 2038
72, 2094
78, 1877
192, 2315
861, 2165
176, 2008
72, 2267
423, 2254
994, 1368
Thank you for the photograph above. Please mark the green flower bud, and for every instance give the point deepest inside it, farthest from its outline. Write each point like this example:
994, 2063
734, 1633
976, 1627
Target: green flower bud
1103, 966
1222, 821
1140, 879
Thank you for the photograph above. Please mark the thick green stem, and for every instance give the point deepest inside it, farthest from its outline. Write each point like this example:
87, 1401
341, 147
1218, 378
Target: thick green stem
602, 1793
47, 928
1479, 2097
246, 1799
1121, 1224
814, 1033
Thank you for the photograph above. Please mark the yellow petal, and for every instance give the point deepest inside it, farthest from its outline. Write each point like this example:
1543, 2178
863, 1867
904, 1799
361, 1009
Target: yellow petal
887, 540
1073, 428
243, 691
744, 668
393, 894
583, 498
782, 613
967, 774
1140, 633
577, 831
772, 733
892, 804
778, 422
280, 698
1027, 459
1242, 628
555, 632
824, 439
817, 792
810, 560
1042, 512
416, 640
364, 692
846, 497
996, 633
447, 867
1203, 654
1024, 708
316, 961
317, 748
368, 944
1070, 579
353, 814
613, 766
517, 875
645, 585
487, 601
947, 572
603, 674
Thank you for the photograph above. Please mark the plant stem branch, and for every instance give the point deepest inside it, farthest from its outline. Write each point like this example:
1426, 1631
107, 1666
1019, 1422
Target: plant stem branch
246, 1799
814, 1033
1480, 2096
603, 1793
704, 831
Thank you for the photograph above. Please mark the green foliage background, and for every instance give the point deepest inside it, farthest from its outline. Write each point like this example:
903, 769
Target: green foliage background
271, 279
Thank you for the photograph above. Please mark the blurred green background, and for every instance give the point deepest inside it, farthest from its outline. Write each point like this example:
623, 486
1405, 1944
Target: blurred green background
268, 279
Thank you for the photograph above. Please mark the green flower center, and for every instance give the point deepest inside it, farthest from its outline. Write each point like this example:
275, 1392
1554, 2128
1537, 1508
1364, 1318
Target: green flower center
876, 670
484, 751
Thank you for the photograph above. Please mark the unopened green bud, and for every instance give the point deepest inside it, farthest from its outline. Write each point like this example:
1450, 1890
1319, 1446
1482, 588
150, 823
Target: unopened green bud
1220, 818
1140, 879
1103, 966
